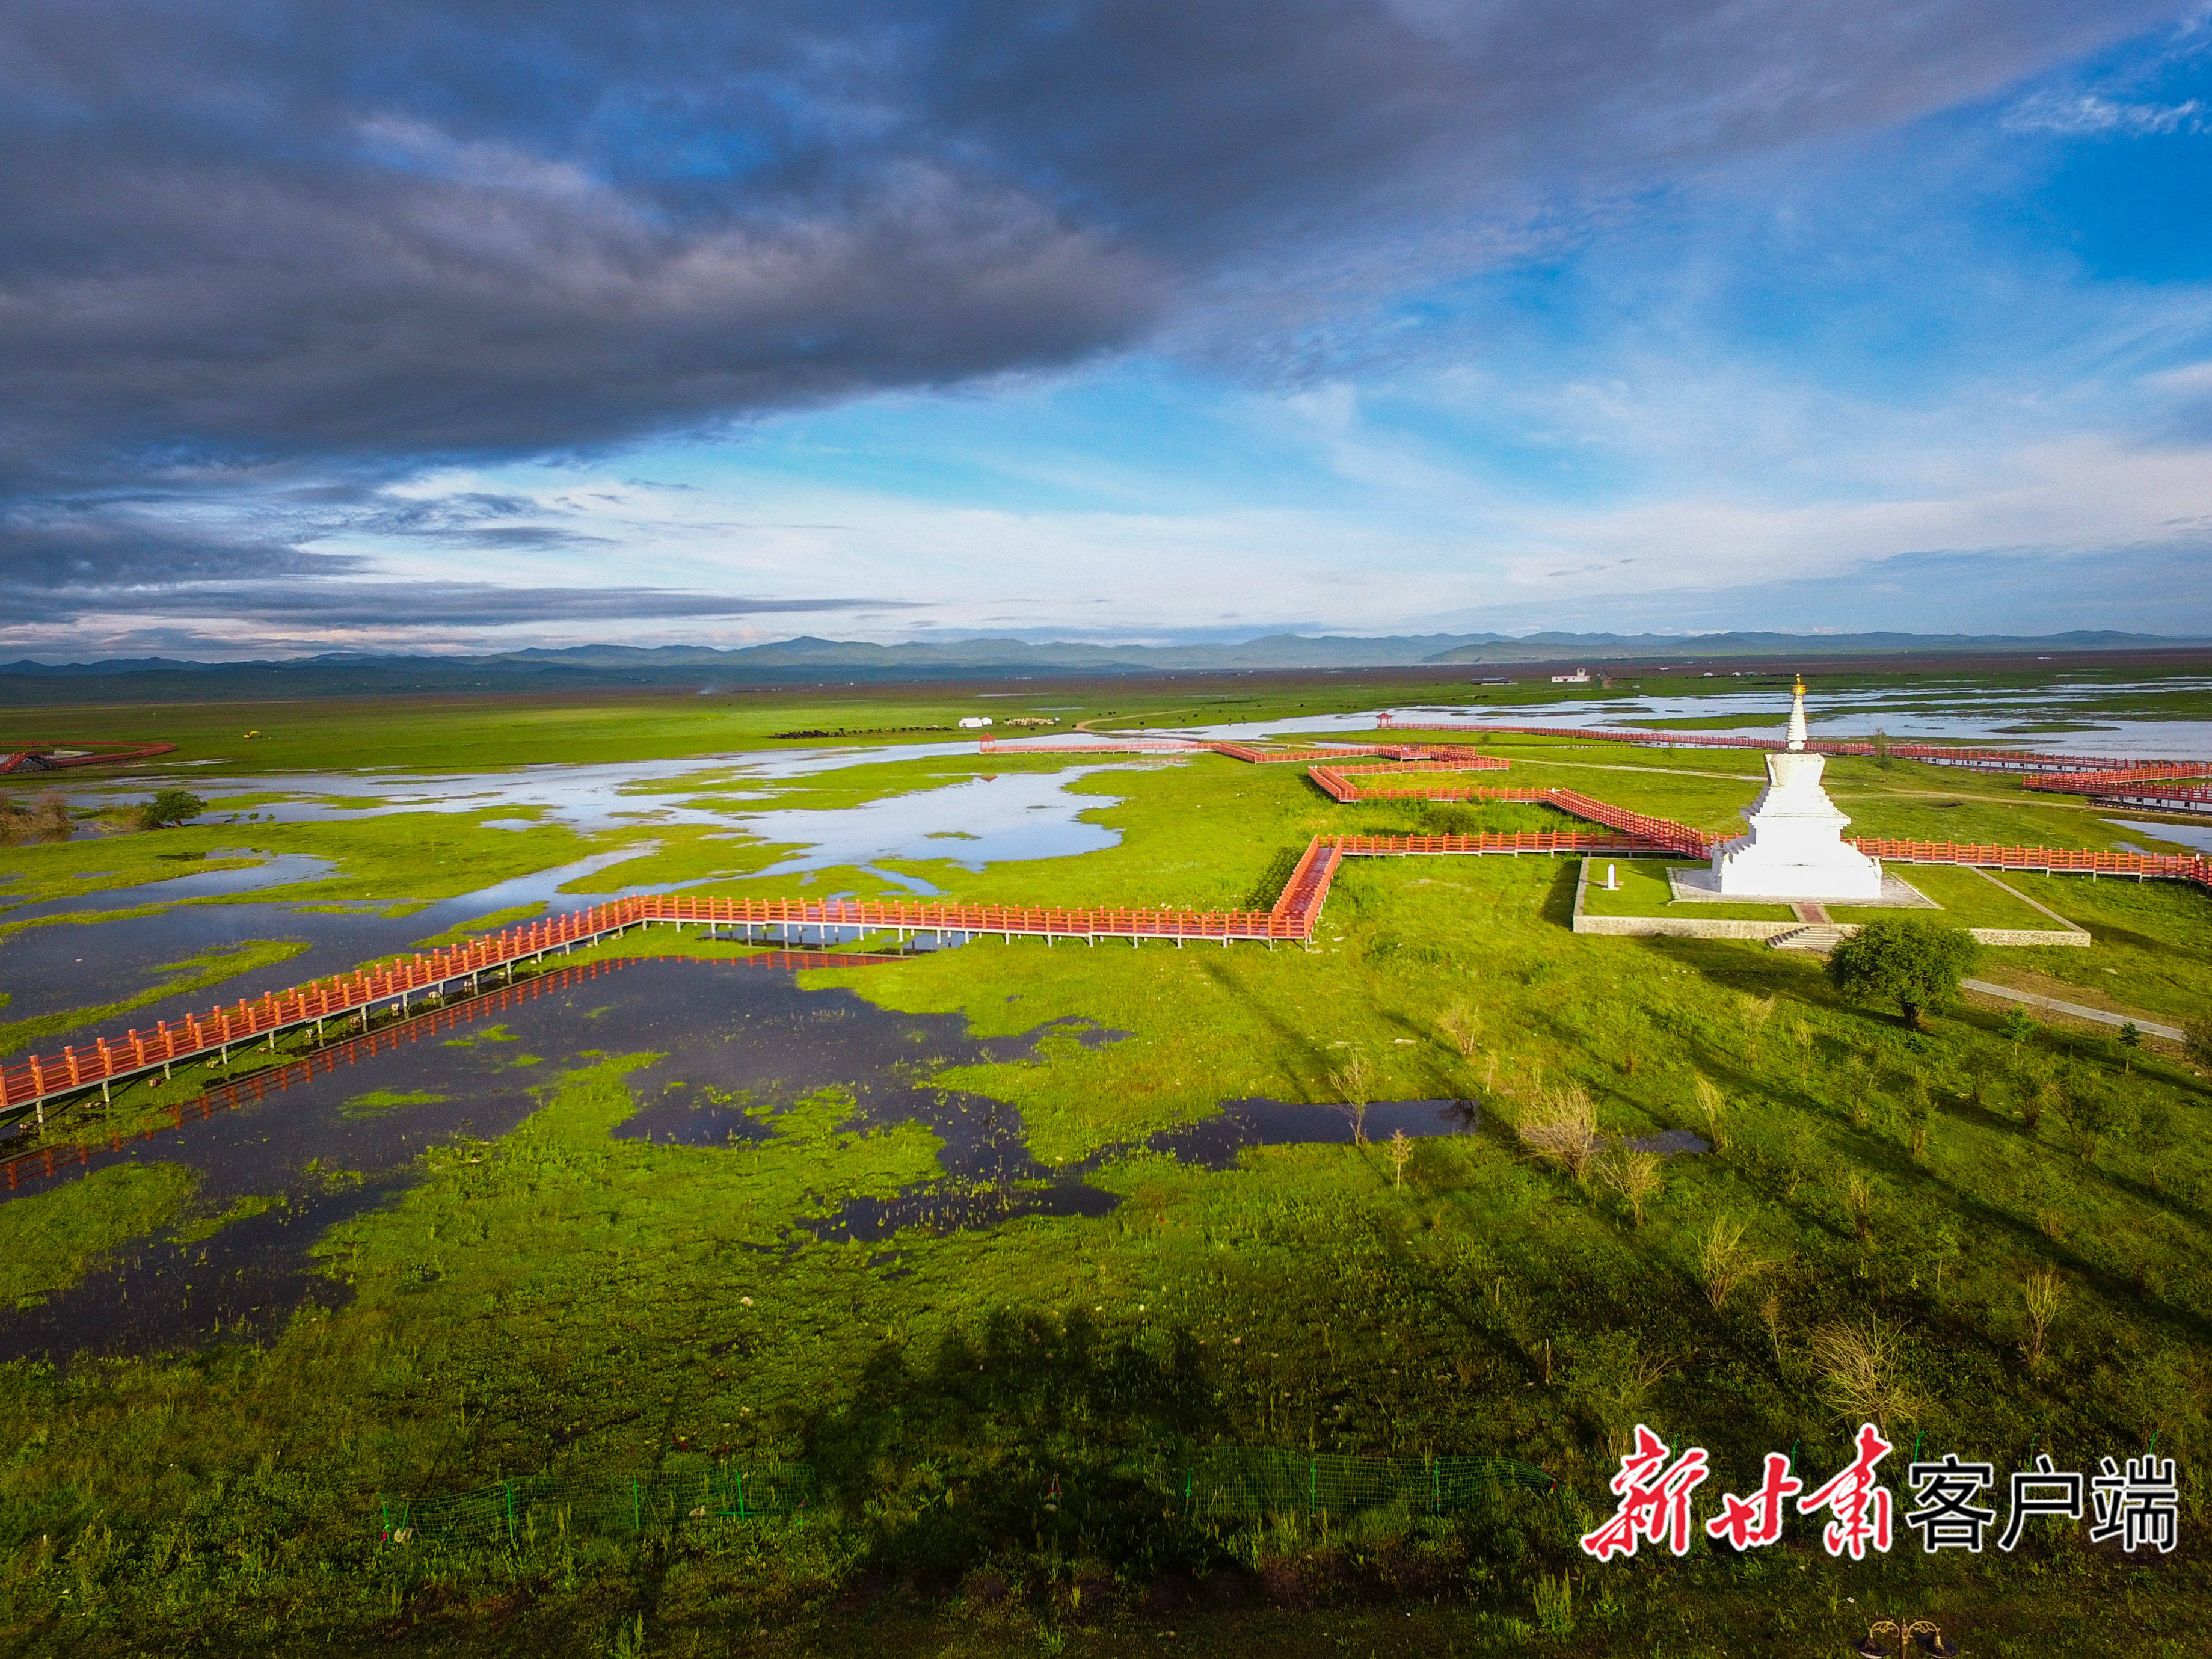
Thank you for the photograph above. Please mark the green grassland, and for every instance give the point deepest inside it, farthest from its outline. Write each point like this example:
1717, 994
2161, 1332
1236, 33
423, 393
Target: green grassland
990, 1409
1644, 891
48, 1239
446, 733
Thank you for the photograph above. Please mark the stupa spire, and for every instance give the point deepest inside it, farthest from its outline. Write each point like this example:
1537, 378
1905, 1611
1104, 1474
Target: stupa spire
1797, 717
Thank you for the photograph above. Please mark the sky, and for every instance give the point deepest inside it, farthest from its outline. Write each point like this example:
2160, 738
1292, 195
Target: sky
458, 325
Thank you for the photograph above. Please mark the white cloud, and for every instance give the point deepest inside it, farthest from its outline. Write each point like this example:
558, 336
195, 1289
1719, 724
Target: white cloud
2088, 114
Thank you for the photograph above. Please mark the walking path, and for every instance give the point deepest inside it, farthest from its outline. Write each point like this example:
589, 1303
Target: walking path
2147, 1027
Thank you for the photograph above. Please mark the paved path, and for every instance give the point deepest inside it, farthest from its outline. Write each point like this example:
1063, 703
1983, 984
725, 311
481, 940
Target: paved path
2147, 1027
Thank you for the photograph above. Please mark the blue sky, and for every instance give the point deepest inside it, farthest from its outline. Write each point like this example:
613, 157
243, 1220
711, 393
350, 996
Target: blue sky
1937, 358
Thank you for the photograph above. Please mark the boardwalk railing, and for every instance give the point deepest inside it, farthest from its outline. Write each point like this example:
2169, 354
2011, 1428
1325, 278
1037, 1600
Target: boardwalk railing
1506, 841
2047, 860
1324, 753
1351, 783
107, 1061
2159, 797
2179, 785
46, 1158
55, 756
1090, 745
1940, 754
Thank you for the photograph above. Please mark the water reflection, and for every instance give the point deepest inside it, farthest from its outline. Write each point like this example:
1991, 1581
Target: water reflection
1966, 713
980, 821
63, 965
1217, 1143
588, 796
2196, 835
188, 883
741, 1044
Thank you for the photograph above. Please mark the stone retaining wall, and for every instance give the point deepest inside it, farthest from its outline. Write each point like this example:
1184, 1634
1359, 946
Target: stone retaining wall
1682, 927
1696, 928
1692, 928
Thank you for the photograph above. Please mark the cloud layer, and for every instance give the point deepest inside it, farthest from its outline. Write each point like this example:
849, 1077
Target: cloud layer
262, 258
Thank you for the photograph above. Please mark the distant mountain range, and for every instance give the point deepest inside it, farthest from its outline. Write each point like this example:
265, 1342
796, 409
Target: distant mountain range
806, 660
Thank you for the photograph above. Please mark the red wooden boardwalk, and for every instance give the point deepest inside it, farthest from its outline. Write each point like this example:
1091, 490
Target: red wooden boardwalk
2186, 785
1087, 744
1350, 783
1943, 754
55, 756
28, 1082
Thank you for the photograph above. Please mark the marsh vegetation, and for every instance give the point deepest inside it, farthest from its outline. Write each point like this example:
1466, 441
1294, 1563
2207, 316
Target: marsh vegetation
1987, 1233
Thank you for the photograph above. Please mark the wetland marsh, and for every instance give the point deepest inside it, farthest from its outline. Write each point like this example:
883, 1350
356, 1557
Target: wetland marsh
988, 1237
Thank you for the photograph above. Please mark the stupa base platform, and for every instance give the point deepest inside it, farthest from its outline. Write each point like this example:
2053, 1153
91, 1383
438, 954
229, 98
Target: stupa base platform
1693, 886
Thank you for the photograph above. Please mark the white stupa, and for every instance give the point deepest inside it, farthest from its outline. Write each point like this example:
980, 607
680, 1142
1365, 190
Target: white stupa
1796, 849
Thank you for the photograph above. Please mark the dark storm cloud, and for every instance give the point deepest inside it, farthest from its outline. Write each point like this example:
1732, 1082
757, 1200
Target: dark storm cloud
94, 546
356, 240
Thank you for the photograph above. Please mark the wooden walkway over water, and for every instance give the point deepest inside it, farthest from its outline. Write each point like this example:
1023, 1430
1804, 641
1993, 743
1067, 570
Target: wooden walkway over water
28, 1085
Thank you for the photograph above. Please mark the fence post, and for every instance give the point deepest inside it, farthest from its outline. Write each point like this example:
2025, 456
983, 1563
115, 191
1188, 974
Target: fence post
509, 1487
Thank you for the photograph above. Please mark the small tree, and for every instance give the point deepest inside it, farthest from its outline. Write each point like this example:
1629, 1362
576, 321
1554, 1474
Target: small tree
1635, 1175
2042, 1292
1464, 1027
1724, 1263
2090, 1112
2199, 1040
1919, 963
1561, 1128
1864, 1367
1401, 1150
169, 808
2018, 1026
1357, 1085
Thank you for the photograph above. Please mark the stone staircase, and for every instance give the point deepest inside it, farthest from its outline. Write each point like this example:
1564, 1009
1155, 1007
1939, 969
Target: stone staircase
1821, 936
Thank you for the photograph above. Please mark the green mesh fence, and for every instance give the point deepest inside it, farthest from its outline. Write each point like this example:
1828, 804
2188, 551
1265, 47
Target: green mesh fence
539, 1505
1227, 1481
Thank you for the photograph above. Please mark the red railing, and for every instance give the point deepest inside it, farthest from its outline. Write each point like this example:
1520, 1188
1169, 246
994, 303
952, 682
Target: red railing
2164, 778
47, 1158
1293, 917
2099, 775
41, 1077
1339, 780
2181, 796
1306, 891
1941, 754
2056, 860
1660, 832
1325, 752
1510, 841
1090, 745
41, 757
